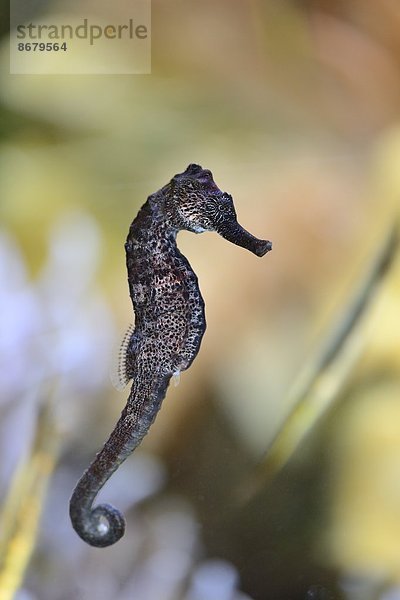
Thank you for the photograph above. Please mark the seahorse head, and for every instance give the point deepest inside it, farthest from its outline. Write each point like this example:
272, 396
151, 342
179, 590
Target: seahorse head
194, 202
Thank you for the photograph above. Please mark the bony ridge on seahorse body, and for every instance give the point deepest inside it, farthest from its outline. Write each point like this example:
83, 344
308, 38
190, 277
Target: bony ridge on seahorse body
169, 326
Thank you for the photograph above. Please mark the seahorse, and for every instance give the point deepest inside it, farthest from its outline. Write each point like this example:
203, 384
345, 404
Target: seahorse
169, 326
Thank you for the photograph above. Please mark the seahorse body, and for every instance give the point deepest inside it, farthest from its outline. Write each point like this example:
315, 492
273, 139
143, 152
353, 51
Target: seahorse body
169, 326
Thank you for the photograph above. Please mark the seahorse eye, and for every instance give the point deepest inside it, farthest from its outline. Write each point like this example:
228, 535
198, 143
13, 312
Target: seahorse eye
225, 205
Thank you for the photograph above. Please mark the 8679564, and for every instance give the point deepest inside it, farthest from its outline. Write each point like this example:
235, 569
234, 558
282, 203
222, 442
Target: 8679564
42, 46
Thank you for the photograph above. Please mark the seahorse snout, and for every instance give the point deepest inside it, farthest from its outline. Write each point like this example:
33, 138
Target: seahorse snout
235, 233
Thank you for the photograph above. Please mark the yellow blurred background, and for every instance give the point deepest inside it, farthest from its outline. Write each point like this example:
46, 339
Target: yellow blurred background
294, 106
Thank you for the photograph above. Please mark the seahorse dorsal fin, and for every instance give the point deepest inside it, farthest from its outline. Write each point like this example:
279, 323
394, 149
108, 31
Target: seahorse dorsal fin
118, 373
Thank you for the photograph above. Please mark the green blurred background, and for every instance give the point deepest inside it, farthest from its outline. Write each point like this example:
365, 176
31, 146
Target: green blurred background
294, 106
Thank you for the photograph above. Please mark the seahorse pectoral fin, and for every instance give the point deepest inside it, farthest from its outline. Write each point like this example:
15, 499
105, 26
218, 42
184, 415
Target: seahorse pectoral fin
235, 233
176, 378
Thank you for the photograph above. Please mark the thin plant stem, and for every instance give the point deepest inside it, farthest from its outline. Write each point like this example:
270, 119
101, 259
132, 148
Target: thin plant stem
322, 380
20, 515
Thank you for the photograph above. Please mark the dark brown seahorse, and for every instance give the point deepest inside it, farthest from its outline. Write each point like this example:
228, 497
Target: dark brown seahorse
169, 326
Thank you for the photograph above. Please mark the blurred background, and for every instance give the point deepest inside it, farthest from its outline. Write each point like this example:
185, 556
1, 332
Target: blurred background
294, 106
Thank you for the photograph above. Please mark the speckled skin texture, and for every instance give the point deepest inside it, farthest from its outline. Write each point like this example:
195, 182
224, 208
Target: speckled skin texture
169, 325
